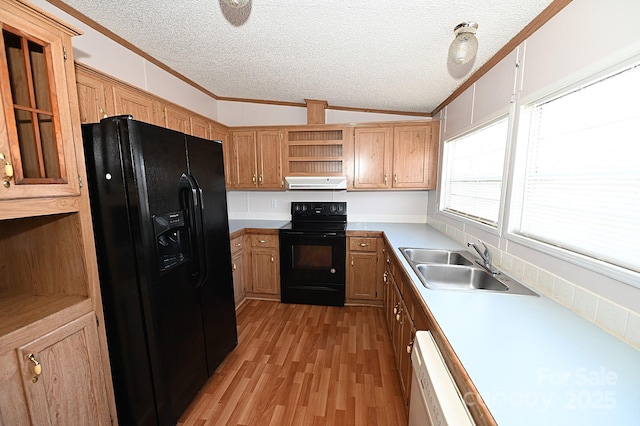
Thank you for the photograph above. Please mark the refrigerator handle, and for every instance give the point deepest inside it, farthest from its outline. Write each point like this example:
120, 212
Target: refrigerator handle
191, 198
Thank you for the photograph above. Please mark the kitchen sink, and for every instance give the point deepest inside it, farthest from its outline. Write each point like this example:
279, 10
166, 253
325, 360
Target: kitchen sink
419, 255
458, 278
457, 270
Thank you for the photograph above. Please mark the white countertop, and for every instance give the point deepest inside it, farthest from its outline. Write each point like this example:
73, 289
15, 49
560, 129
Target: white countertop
533, 361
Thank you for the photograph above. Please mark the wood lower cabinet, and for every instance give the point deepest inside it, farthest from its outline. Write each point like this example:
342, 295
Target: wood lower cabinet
238, 266
364, 270
60, 377
265, 266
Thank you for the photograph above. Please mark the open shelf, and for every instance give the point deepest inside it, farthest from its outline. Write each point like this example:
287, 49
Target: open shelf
43, 269
315, 152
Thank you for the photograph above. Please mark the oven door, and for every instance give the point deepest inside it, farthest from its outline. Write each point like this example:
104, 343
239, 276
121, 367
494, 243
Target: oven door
312, 267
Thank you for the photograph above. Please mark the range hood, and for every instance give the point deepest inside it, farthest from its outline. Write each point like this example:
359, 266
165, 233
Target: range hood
316, 182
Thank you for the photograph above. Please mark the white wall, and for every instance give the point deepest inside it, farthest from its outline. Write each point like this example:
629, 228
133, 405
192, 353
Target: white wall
586, 37
393, 206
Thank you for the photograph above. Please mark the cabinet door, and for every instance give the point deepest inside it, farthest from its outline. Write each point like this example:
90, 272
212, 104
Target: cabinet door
363, 276
176, 118
264, 265
39, 106
71, 387
407, 331
141, 107
412, 156
92, 98
372, 151
239, 281
244, 159
219, 133
200, 128
269, 143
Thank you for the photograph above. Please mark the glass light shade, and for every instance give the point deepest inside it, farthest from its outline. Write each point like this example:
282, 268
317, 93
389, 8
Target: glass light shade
237, 3
463, 48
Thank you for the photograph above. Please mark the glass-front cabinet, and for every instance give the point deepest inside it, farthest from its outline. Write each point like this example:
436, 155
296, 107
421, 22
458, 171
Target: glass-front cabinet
37, 157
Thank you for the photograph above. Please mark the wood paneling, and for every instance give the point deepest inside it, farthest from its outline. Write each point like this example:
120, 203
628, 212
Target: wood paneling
304, 365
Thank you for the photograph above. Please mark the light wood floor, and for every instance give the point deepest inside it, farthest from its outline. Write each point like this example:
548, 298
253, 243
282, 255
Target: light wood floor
304, 365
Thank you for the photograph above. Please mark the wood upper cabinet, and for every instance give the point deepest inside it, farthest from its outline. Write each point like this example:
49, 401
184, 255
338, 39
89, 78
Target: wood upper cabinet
176, 118
415, 156
396, 157
257, 159
373, 149
137, 104
201, 128
93, 102
39, 105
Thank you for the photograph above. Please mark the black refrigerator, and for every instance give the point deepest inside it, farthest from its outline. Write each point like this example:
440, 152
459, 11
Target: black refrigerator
159, 210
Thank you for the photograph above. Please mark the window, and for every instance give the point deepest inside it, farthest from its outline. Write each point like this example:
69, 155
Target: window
580, 175
473, 166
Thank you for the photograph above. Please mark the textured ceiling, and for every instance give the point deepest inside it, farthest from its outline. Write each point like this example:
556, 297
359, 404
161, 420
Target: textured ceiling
376, 54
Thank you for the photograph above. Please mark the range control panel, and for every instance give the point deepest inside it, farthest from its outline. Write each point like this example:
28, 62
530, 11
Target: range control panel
309, 209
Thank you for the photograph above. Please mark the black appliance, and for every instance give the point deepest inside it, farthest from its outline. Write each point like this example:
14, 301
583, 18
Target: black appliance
313, 254
159, 210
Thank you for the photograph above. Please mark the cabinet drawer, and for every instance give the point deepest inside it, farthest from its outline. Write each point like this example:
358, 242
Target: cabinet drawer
264, 241
237, 244
363, 244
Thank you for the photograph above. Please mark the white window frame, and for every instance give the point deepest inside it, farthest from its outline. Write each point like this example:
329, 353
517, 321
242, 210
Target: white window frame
516, 183
486, 227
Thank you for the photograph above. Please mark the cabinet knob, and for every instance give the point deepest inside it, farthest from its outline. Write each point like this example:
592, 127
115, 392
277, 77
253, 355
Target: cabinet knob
233, 265
104, 114
395, 178
410, 347
260, 179
272, 259
395, 309
8, 171
37, 368
253, 178
238, 244
386, 178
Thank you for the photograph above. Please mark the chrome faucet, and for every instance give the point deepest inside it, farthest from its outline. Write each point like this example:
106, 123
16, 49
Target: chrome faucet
485, 255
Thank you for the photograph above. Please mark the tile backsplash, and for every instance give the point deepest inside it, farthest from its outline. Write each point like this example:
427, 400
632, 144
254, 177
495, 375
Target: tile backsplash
615, 319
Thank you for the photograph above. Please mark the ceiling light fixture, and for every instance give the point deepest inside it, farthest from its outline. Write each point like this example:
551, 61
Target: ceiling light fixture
236, 3
464, 47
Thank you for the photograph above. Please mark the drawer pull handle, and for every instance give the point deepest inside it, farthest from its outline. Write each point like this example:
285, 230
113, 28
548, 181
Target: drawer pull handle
262, 241
364, 245
37, 368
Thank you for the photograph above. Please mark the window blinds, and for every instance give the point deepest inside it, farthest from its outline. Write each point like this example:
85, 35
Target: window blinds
582, 181
473, 169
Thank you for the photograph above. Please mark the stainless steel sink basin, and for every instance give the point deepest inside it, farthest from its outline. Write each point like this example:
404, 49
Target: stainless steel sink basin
458, 278
457, 270
447, 257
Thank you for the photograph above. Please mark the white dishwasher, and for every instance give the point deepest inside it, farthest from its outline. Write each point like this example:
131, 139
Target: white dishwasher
435, 398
